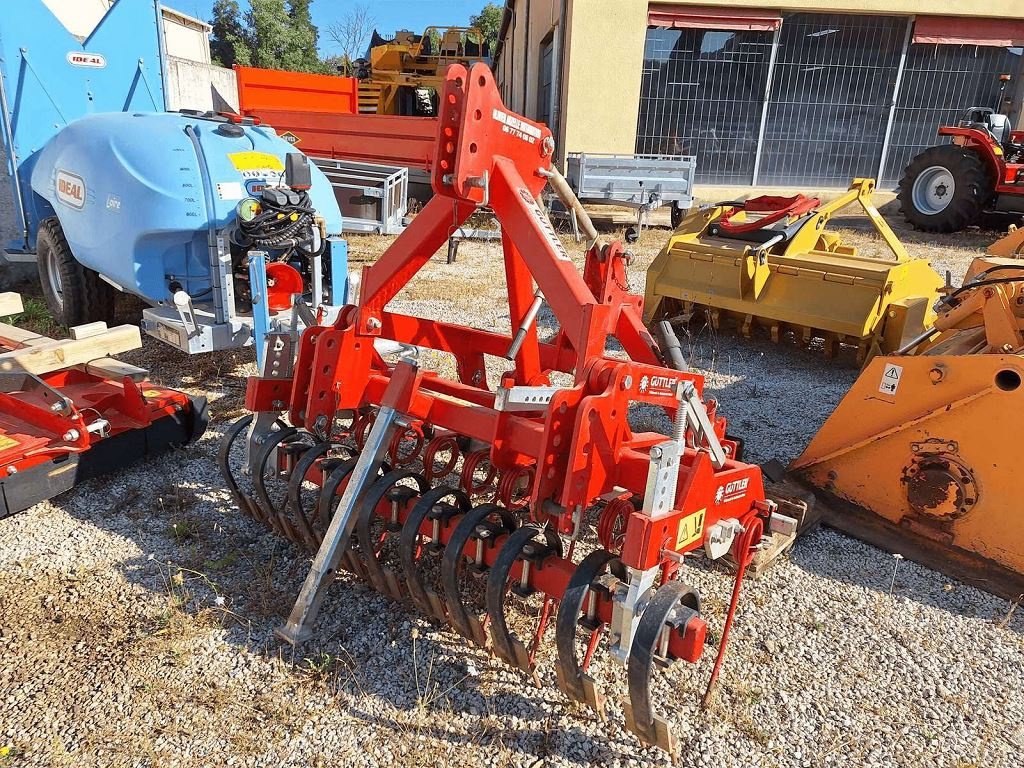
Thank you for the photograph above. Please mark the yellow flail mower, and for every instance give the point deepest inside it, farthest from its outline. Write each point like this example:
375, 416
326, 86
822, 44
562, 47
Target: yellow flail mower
921, 456
769, 261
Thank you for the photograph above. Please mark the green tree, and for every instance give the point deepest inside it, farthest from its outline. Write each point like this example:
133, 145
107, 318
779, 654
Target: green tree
271, 34
229, 45
488, 21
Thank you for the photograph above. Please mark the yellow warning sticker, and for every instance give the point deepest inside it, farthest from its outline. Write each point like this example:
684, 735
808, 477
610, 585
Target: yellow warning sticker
152, 393
690, 529
255, 161
7, 442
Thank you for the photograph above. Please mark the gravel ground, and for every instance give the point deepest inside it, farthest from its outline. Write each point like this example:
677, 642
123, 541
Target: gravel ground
136, 616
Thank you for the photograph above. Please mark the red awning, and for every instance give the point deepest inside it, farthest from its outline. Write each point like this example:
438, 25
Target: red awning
706, 17
958, 30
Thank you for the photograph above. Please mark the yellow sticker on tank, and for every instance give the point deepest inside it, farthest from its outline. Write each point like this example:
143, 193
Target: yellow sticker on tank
7, 442
255, 161
690, 529
152, 393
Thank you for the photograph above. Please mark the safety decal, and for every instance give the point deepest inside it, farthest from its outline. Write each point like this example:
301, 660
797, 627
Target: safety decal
291, 138
6, 443
891, 376
690, 528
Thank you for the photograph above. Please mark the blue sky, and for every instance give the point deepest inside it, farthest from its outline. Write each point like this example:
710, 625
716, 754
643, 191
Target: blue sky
391, 15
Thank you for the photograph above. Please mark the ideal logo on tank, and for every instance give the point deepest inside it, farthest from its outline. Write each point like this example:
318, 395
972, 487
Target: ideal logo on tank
71, 189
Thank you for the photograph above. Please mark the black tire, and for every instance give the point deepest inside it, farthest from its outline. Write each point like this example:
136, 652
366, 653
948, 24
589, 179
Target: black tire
74, 294
677, 215
973, 189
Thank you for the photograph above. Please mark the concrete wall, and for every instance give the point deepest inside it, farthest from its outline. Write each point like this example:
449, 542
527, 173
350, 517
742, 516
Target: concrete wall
191, 85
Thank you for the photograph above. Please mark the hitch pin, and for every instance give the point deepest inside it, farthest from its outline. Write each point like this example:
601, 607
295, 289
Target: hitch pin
591, 605
435, 531
394, 512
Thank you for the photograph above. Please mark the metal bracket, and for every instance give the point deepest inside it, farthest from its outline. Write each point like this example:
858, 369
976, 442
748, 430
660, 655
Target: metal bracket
629, 600
700, 425
524, 398
187, 313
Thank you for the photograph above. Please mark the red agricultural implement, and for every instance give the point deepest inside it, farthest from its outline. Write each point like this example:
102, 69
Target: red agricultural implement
68, 414
948, 187
541, 486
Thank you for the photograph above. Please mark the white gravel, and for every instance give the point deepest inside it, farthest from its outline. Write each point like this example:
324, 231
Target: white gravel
136, 618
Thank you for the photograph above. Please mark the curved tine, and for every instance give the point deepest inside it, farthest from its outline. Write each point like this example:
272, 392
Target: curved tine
450, 562
408, 541
374, 495
244, 502
298, 477
270, 442
673, 604
329, 490
523, 545
277, 515
572, 680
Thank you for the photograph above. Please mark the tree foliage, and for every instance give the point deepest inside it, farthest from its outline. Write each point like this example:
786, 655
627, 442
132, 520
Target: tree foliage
274, 34
488, 21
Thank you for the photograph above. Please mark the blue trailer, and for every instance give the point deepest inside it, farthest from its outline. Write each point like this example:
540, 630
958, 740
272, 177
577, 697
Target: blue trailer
222, 227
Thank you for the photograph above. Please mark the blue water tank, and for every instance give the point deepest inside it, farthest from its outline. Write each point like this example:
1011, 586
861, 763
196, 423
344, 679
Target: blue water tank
137, 194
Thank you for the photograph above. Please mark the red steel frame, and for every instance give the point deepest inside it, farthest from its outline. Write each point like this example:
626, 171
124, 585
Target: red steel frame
581, 445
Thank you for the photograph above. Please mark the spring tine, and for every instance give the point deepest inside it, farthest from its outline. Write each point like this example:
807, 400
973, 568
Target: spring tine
260, 461
517, 546
466, 625
246, 503
674, 604
329, 490
573, 681
367, 511
302, 468
427, 601
293, 516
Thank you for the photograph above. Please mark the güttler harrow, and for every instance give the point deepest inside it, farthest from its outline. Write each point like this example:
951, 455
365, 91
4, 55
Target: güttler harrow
427, 486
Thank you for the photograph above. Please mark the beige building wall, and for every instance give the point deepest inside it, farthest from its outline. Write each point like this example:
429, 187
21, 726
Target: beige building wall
602, 57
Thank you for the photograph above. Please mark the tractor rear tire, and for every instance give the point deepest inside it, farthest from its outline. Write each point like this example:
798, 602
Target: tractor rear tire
945, 189
74, 294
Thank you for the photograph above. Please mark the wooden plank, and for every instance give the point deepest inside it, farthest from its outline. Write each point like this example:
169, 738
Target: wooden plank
10, 304
87, 330
54, 355
11, 336
109, 368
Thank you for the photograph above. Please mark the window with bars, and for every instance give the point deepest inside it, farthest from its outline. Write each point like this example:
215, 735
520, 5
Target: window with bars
939, 83
701, 95
830, 96
831, 100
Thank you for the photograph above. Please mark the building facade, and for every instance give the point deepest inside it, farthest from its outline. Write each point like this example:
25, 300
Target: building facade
811, 92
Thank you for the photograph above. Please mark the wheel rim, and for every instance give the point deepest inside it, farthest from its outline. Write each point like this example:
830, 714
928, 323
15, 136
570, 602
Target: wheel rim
53, 276
933, 190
